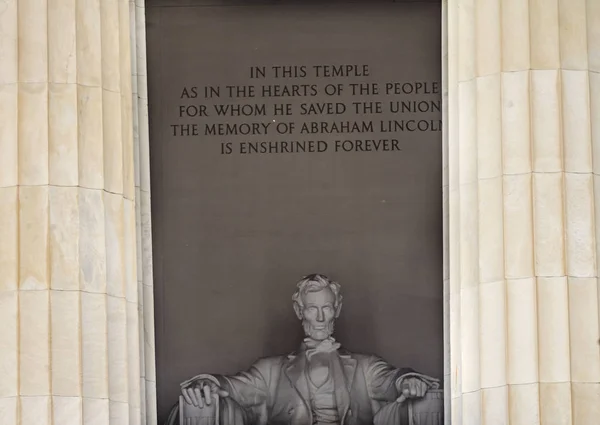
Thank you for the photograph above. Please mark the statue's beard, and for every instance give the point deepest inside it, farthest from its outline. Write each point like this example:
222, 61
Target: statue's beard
318, 334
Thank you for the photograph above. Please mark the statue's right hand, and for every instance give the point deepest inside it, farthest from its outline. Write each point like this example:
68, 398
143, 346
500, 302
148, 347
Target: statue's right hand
200, 392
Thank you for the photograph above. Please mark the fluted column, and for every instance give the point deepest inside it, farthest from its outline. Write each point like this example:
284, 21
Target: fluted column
524, 211
69, 305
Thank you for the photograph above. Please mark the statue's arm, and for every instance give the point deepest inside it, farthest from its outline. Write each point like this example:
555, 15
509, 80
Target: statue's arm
384, 380
382, 377
248, 388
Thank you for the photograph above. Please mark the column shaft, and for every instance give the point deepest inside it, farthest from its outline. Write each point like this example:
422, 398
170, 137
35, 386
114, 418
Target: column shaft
69, 305
524, 158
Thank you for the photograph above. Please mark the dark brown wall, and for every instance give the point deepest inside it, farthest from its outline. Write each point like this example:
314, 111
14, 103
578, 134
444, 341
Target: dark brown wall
232, 233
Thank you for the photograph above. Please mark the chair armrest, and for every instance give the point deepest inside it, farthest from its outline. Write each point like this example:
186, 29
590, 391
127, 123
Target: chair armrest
192, 415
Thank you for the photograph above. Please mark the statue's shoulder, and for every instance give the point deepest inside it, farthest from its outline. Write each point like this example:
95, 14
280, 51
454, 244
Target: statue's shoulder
270, 361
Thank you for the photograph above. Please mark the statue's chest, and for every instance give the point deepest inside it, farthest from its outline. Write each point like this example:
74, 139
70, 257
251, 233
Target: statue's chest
319, 369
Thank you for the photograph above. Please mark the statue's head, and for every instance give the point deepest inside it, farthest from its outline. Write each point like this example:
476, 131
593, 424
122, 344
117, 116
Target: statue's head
317, 302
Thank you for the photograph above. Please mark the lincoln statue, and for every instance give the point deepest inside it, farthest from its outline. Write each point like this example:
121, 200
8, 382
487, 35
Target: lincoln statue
319, 384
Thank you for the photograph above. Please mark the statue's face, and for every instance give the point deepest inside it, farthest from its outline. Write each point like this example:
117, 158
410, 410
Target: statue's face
318, 314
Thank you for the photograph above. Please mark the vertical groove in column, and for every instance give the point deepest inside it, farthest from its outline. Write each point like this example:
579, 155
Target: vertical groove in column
62, 93
515, 38
573, 34
544, 33
89, 95
593, 34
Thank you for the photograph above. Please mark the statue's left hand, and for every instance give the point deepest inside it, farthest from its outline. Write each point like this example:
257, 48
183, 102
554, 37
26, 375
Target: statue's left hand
411, 388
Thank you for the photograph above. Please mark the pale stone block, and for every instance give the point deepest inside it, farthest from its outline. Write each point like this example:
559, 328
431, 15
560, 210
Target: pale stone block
9, 46
94, 350
469, 236
33, 42
489, 125
118, 413
131, 39
488, 39
584, 332
9, 242
136, 141
33, 139
142, 343
62, 37
138, 233
96, 411
572, 22
67, 410
117, 349
546, 121
593, 34
579, 210
467, 50
467, 131
9, 345
524, 404
149, 348
128, 147
596, 183
113, 148
115, 238
456, 410
92, 247
145, 145
471, 408
545, 43
151, 413
33, 237
492, 334
135, 416
494, 409
548, 224
522, 334
445, 235
89, 43
515, 35
62, 134
64, 237
91, 141
133, 354
126, 42
9, 159
594, 80
586, 403
516, 123
455, 345
143, 412
469, 332
453, 239
109, 24
576, 122
518, 226
491, 230
555, 404
130, 251
35, 411
9, 410
553, 329
66, 343
146, 220
34, 343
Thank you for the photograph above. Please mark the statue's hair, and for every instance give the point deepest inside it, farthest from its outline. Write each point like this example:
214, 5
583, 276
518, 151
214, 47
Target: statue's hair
315, 283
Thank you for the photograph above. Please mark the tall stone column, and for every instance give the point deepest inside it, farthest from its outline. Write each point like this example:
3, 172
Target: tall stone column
524, 213
69, 322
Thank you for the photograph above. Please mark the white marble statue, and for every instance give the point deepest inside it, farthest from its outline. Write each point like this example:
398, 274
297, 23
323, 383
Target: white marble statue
320, 384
